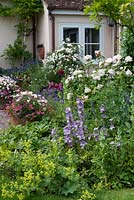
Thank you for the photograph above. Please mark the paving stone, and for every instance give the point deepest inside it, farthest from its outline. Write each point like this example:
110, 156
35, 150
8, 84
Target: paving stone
4, 120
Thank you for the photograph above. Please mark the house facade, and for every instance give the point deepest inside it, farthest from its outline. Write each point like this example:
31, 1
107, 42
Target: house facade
61, 19
65, 19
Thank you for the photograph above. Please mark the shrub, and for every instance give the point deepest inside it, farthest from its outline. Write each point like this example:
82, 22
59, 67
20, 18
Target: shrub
28, 106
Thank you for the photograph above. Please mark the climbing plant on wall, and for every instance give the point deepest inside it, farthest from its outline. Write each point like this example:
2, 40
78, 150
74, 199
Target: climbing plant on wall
25, 11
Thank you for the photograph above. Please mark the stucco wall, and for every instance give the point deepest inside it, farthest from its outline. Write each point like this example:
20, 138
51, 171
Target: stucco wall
43, 29
8, 34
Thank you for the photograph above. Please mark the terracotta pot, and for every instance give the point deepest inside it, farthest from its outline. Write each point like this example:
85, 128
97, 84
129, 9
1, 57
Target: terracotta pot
3, 103
15, 120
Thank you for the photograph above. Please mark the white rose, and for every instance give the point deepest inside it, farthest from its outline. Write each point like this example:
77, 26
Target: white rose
67, 39
99, 86
128, 59
101, 72
96, 77
80, 75
66, 81
128, 73
117, 58
111, 71
87, 57
109, 60
76, 72
87, 90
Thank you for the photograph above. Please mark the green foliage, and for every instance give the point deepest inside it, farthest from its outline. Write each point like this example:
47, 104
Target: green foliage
113, 9
17, 52
120, 11
86, 195
27, 8
23, 8
32, 163
33, 78
127, 43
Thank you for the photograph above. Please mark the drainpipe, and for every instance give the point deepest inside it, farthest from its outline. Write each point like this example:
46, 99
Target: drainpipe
52, 18
115, 39
34, 36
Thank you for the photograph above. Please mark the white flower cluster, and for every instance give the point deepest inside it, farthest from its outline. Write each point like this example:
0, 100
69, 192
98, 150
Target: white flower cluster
117, 60
97, 74
28, 95
7, 86
66, 58
6, 82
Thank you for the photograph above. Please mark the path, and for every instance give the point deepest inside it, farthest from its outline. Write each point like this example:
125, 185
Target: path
4, 120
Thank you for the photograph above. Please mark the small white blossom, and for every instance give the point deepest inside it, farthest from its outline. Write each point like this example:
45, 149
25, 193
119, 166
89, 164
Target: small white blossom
99, 86
101, 63
87, 57
111, 71
67, 39
87, 90
69, 96
66, 81
101, 72
128, 73
85, 97
76, 72
80, 75
128, 59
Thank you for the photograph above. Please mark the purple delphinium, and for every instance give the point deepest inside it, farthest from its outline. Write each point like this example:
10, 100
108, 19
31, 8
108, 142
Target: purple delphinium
54, 134
80, 106
74, 130
68, 128
102, 109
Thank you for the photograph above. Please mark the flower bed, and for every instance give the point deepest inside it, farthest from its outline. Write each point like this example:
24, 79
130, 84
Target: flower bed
27, 107
8, 87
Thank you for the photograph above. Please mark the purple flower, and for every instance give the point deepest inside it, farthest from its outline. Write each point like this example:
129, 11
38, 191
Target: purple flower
74, 130
102, 109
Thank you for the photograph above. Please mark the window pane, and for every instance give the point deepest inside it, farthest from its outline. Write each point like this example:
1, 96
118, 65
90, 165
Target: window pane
88, 35
95, 36
72, 33
91, 48
91, 35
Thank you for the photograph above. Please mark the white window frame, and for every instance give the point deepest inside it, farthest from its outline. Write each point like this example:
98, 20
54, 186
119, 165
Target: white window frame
81, 28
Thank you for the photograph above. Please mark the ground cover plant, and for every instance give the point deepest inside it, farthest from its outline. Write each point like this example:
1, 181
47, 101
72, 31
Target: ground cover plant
86, 144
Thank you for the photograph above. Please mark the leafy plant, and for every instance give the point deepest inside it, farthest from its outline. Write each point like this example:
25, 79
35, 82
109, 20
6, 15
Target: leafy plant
16, 52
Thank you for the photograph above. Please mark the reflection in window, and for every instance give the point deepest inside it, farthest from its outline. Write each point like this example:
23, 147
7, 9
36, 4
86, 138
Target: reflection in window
72, 34
92, 41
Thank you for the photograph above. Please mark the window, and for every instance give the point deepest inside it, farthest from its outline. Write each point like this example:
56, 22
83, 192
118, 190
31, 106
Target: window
85, 35
92, 41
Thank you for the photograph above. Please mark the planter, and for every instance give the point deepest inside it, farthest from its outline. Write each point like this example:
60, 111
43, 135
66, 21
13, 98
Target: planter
3, 103
15, 120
